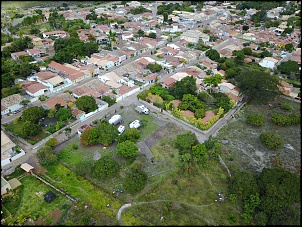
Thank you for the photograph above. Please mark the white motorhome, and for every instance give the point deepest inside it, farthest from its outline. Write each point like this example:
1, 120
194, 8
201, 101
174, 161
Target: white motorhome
116, 119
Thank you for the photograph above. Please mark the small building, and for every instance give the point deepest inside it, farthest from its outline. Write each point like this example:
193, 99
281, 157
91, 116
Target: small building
5, 186
50, 196
82, 129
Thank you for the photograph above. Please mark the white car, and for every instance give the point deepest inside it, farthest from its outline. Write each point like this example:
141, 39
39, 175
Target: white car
121, 129
135, 124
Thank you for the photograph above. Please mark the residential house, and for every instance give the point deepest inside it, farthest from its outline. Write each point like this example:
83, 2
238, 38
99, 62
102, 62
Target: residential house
16, 55
57, 34
35, 53
171, 51
52, 81
249, 36
36, 41
269, 62
78, 114
7, 149
103, 29
230, 90
120, 54
82, 129
34, 89
62, 99
69, 73
179, 76
151, 43
167, 82
192, 36
12, 102
288, 89
111, 79
84, 91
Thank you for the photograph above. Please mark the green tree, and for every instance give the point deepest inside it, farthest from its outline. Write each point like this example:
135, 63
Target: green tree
165, 15
107, 132
243, 184
25, 102
280, 192
46, 156
135, 181
28, 129
272, 140
51, 142
127, 149
105, 168
140, 33
33, 114
200, 155
259, 86
152, 35
86, 103
84, 168
213, 55
63, 114
256, 119
90, 136
154, 68
131, 134
213, 81
185, 86
186, 141
288, 66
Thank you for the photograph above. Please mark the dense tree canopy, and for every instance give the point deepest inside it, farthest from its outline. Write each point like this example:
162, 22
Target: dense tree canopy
63, 114
259, 86
131, 134
108, 132
185, 86
288, 66
33, 114
186, 141
154, 68
90, 136
127, 149
105, 168
135, 181
86, 103
46, 156
213, 55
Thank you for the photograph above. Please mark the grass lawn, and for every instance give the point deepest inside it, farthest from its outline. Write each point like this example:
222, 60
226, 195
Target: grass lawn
29, 199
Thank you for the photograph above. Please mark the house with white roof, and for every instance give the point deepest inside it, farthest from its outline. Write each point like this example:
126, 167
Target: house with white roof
12, 102
268, 62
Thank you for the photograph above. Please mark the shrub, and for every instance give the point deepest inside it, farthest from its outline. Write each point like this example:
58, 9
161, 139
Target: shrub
286, 106
271, 140
256, 119
284, 120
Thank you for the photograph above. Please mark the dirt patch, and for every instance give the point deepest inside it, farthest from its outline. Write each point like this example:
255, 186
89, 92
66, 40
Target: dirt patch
209, 115
55, 216
170, 129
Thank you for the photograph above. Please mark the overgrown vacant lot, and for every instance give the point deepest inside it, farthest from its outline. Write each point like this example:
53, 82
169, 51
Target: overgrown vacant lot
245, 151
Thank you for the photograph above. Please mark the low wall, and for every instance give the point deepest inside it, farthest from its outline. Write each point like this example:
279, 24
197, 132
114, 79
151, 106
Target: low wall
18, 155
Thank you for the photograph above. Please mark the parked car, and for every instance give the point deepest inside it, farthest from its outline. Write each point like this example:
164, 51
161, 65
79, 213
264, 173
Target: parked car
121, 129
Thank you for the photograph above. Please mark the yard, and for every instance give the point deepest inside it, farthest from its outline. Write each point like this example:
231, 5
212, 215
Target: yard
28, 200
